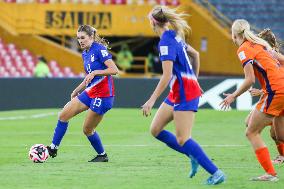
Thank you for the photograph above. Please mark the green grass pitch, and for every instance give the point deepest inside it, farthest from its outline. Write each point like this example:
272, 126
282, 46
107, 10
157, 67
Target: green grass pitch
137, 160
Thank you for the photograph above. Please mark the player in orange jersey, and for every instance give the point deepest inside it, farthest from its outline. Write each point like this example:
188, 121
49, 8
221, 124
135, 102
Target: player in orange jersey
269, 36
258, 62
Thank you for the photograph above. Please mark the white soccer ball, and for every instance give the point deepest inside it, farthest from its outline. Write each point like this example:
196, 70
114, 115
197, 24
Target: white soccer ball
38, 153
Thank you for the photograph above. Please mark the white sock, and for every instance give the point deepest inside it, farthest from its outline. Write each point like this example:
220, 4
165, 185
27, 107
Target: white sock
103, 153
53, 146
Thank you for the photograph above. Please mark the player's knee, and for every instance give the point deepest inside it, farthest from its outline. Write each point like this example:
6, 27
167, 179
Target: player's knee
62, 116
181, 140
154, 131
250, 134
87, 131
246, 122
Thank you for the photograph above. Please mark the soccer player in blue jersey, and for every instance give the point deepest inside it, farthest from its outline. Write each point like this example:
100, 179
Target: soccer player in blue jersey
182, 101
95, 94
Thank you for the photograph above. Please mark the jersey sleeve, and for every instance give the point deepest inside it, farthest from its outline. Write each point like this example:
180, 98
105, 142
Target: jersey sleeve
103, 54
246, 54
167, 51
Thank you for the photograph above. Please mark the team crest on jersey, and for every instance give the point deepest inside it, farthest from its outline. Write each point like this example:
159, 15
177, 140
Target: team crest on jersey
242, 55
104, 53
92, 58
164, 50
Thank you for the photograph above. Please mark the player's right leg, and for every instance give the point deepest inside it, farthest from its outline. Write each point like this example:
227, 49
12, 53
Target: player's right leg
72, 108
256, 124
163, 116
278, 131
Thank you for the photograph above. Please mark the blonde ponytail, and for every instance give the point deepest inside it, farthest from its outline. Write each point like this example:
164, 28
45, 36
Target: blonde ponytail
178, 22
101, 40
163, 15
242, 27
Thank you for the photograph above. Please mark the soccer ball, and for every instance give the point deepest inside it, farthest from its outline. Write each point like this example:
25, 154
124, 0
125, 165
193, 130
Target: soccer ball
38, 153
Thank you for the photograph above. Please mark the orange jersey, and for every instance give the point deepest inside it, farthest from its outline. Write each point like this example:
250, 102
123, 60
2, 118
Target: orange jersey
266, 68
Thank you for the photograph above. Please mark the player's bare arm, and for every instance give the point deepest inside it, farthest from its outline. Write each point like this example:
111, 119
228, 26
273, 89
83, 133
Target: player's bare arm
249, 80
255, 92
194, 54
111, 70
163, 83
78, 89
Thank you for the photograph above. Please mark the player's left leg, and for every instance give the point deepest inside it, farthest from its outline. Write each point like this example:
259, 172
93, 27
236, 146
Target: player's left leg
279, 159
163, 116
248, 118
98, 108
92, 120
184, 122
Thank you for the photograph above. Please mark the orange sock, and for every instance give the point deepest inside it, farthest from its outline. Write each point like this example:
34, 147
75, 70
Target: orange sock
280, 148
263, 157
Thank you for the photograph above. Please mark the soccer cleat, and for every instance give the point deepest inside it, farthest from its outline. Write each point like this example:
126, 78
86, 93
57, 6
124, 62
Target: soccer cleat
100, 158
266, 177
194, 167
217, 178
52, 152
279, 160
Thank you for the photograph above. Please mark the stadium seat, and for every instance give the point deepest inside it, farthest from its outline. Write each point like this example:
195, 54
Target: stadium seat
43, 1
271, 13
21, 63
81, 74
106, 2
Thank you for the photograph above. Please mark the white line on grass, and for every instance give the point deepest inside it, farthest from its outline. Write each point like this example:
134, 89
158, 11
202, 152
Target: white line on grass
149, 145
239, 167
138, 145
34, 116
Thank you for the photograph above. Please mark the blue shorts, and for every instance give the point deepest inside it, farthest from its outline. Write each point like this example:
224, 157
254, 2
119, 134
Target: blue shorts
191, 105
98, 105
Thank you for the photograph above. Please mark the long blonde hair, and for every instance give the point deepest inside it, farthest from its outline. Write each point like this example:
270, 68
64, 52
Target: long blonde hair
91, 31
241, 27
162, 15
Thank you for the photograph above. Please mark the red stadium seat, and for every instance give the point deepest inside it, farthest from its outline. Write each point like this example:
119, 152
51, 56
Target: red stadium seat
21, 63
106, 2
81, 74
11, 46
10, 1
67, 70
2, 69
69, 75
6, 74
119, 2
43, 1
